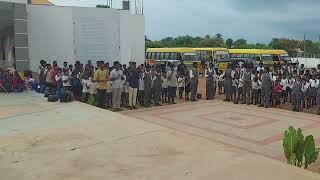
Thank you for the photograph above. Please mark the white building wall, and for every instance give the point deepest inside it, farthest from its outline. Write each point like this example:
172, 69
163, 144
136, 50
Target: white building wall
132, 41
50, 31
97, 34
15, 1
80, 34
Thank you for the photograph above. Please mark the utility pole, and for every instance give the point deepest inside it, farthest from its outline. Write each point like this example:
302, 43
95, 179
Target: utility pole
304, 45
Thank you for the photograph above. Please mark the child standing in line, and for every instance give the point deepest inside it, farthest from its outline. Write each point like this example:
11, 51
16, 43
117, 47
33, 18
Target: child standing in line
66, 80
255, 89
187, 87
235, 83
109, 94
141, 89
86, 83
164, 83
125, 92
284, 85
240, 88
308, 92
259, 89
276, 92
220, 82
181, 85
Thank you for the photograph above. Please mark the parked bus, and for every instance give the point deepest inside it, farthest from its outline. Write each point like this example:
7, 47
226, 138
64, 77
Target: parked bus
259, 55
214, 55
279, 56
161, 56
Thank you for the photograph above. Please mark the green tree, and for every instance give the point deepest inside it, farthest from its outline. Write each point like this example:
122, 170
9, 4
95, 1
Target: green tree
240, 43
229, 43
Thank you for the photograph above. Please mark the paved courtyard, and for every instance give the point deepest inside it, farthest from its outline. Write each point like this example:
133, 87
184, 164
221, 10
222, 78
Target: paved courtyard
253, 129
75, 141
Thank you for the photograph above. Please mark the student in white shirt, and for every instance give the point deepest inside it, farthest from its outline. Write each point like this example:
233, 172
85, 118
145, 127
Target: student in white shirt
181, 84
255, 89
117, 77
164, 84
141, 89
314, 83
220, 82
284, 84
86, 83
66, 80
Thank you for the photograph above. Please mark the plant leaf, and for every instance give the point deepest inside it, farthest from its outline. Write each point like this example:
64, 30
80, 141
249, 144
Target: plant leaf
300, 149
290, 143
310, 152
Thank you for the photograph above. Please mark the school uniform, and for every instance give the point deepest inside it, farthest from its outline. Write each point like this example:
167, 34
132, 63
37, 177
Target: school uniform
133, 83
85, 89
210, 88
284, 94
318, 100
246, 86
255, 88
220, 83
187, 87
172, 85
289, 88
117, 87
227, 84
141, 91
296, 96
157, 88
259, 91
235, 83
265, 89
147, 88
181, 85
109, 94
194, 78
164, 84
240, 87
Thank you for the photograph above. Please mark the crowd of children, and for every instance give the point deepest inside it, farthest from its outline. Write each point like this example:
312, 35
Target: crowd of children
119, 86
13, 81
264, 87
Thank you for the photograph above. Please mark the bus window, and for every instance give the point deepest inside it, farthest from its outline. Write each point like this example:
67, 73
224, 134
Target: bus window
161, 56
166, 55
157, 56
153, 56
148, 55
233, 55
179, 56
275, 58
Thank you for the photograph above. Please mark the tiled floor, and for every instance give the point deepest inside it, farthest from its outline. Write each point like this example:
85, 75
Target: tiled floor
256, 130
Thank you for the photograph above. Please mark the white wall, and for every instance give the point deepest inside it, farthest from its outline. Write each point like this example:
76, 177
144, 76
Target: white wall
97, 34
15, 1
132, 41
50, 31
76, 33
308, 62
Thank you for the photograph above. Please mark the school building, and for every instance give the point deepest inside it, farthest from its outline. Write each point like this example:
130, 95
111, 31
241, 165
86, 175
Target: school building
31, 30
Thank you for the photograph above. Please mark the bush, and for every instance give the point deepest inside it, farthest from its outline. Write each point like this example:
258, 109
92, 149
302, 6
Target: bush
298, 150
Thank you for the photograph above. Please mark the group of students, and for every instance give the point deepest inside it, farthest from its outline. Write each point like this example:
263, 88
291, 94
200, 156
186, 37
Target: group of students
120, 86
264, 87
13, 81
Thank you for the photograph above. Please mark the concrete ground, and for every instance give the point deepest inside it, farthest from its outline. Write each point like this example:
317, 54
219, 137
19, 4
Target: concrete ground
40, 140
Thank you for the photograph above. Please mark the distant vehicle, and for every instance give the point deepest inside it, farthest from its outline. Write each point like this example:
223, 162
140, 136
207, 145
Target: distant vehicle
219, 56
162, 56
279, 56
260, 56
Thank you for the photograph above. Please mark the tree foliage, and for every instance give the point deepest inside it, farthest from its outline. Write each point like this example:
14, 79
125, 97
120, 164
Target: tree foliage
292, 46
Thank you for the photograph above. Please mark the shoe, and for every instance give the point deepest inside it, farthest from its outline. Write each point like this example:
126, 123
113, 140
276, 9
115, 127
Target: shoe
134, 107
130, 107
119, 109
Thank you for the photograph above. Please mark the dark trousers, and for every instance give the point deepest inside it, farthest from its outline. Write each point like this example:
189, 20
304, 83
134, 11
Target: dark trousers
172, 93
101, 97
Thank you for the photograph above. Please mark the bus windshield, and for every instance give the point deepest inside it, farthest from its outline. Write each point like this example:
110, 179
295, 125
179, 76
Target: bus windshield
266, 57
190, 57
222, 56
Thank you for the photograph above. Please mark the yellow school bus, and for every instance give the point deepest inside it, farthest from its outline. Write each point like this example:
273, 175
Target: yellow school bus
217, 55
259, 55
279, 56
156, 56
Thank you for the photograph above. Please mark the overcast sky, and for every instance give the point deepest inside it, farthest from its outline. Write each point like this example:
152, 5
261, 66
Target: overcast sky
255, 20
